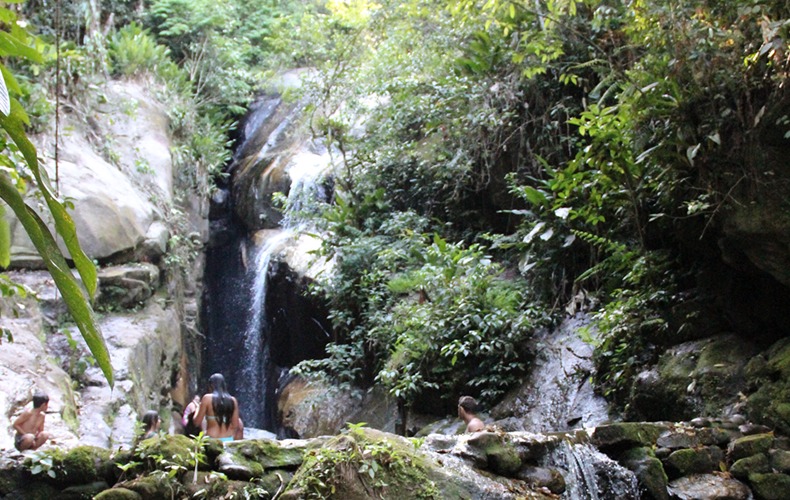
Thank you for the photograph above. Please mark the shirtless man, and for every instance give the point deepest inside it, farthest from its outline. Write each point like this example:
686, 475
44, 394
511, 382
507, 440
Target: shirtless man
29, 425
467, 406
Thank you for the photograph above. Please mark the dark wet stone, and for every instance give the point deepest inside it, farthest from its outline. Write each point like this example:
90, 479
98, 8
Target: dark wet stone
541, 477
700, 422
752, 429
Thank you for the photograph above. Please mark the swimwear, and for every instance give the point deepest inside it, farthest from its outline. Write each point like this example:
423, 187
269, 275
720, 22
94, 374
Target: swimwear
226, 439
18, 440
210, 417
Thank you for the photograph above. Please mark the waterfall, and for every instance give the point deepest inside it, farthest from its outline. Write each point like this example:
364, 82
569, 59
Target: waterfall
591, 475
236, 316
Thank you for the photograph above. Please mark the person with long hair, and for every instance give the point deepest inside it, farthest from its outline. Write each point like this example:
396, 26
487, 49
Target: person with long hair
221, 411
151, 424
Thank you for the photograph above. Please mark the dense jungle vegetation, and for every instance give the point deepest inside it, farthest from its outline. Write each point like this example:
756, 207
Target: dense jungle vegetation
518, 159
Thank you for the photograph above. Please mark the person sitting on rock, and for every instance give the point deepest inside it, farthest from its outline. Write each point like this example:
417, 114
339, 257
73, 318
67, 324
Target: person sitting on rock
29, 425
188, 419
151, 424
221, 411
467, 406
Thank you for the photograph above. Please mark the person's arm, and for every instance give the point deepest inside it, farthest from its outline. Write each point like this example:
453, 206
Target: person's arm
190, 409
19, 423
234, 420
204, 404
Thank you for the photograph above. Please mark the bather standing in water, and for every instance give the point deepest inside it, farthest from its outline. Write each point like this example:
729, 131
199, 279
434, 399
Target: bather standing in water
221, 411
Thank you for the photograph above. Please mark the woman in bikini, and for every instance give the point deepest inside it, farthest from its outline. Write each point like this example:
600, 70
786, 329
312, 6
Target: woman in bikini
221, 411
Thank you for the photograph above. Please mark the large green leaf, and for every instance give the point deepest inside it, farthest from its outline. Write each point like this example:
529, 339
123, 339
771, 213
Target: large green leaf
73, 294
64, 224
5, 240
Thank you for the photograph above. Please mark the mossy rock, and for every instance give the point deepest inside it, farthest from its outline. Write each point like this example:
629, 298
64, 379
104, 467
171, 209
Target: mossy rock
35, 490
251, 458
755, 464
10, 480
649, 472
770, 486
780, 460
362, 464
215, 485
750, 445
694, 461
770, 402
164, 451
83, 491
118, 493
80, 465
154, 486
625, 435
502, 458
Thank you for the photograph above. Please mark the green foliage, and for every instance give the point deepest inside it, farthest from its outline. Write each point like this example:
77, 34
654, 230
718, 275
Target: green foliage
134, 51
420, 314
622, 130
76, 295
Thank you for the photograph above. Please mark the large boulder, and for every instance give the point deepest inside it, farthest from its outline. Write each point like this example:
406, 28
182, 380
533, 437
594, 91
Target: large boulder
114, 167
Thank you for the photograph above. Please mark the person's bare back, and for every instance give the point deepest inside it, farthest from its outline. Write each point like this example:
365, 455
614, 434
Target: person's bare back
29, 425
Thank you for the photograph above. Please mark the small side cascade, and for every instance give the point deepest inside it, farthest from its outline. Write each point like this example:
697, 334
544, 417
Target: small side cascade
591, 475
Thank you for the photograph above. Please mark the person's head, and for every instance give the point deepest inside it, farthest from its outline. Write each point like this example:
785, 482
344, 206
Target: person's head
40, 399
467, 405
216, 383
221, 400
151, 420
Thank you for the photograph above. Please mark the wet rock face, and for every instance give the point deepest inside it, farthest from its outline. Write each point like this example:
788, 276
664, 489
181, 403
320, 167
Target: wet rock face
299, 326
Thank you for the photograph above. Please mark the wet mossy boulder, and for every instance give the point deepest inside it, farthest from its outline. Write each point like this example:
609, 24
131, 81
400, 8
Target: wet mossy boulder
695, 378
250, 459
649, 472
501, 456
83, 491
694, 461
155, 486
80, 465
171, 451
625, 435
750, 445
362, 464
542, 477
755, 464
769, 375
118, 494
770, 486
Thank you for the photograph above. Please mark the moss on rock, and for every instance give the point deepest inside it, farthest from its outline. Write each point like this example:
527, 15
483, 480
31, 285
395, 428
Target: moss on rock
755, 464
625, 435
770, 486
694, 461
649, 472
360, 465
501, 456
750, 445
118, 494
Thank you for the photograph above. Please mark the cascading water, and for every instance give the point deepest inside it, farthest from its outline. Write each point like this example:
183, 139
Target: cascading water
591, 475
238, 327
